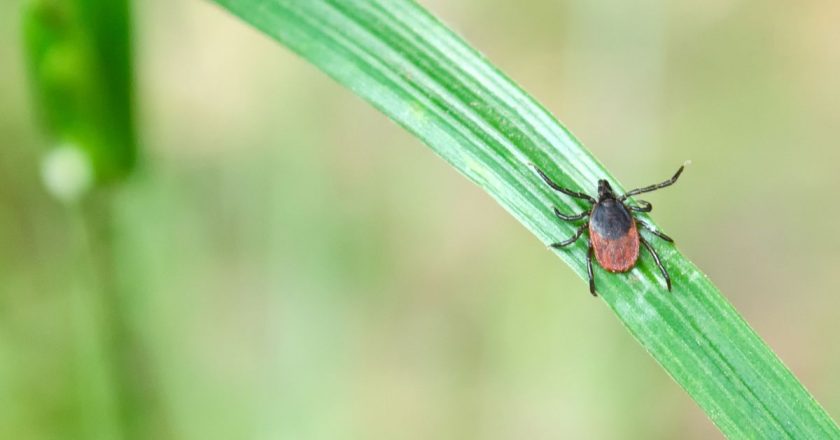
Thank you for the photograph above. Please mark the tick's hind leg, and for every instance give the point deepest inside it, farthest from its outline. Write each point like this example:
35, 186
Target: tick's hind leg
654, 231
589, 270
572, 239
572, 217
658, 262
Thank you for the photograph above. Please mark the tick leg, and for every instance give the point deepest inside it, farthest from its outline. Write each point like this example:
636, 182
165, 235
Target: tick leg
655, 187
654, 231
557, 187
572, 239
658, 262
569, 218
643, 206
589, 270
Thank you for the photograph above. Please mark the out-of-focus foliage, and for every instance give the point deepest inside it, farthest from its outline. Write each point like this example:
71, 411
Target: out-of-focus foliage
81, 73
259, 326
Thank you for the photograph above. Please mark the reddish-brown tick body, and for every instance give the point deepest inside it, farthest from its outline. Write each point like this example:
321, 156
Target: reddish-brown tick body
615, 239
613, 234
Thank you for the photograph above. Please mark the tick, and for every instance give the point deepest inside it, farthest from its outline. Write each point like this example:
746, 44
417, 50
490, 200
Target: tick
613, 229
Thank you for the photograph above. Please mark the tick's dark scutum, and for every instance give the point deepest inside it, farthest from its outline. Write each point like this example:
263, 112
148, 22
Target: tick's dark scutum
610, 219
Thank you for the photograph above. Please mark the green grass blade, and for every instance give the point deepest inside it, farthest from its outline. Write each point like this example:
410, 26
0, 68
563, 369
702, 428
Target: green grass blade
416, 71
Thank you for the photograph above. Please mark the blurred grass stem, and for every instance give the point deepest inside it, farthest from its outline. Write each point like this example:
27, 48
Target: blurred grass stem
81, 73
114, 346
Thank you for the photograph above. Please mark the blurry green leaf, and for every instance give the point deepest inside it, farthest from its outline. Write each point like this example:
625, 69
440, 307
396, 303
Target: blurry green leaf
80, 72
415, 70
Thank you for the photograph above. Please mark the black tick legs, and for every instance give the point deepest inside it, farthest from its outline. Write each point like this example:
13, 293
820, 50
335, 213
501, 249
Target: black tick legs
572, 239
570, 218
589, 270
566, 191
655, 187
654, 231
658, 262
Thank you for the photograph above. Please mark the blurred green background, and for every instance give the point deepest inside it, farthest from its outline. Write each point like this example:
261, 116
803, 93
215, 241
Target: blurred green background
292, 265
